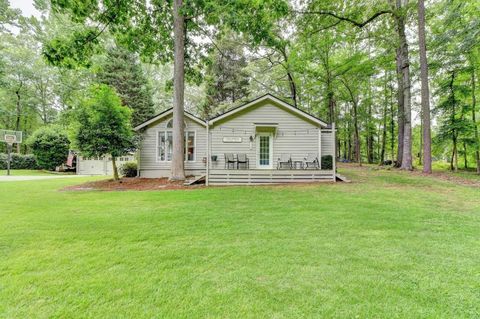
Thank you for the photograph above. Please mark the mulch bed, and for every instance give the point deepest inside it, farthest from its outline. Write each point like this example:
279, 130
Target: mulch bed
138, 184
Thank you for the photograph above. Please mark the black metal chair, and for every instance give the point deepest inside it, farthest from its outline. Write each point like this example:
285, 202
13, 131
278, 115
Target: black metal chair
229, 160
242, 159
311, 161
284, 161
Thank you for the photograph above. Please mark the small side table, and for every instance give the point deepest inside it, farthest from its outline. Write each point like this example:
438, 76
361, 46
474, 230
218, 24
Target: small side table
297, 164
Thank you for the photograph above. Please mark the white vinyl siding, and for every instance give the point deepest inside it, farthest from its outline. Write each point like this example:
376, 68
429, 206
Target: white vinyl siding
294, 135
327, 142
150, 151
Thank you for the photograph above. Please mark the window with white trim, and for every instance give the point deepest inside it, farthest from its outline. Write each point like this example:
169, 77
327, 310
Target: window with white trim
165, 144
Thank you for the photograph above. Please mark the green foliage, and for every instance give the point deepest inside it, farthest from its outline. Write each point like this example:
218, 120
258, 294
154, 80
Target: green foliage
50, 145
151, 34
121, 70
227, 79
8, 15
19, 161
103, 124
129, 169
327, 162
72, 52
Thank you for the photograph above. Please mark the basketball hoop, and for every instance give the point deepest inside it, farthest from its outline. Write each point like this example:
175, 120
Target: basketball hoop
10, 137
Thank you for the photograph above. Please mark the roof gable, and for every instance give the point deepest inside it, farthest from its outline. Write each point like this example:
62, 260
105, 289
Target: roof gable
167, 113
276, 101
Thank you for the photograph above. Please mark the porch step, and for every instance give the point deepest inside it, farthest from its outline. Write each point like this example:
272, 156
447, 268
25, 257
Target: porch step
342, 178
194, 180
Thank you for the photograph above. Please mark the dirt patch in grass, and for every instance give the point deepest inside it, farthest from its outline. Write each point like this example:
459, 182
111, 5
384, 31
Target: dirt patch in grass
138, 184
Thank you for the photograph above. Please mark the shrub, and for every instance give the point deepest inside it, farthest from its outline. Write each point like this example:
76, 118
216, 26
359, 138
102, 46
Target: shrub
129, 169
50, 146
19, 161
327, 162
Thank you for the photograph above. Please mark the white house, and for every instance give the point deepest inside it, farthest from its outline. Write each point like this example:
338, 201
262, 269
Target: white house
263, 141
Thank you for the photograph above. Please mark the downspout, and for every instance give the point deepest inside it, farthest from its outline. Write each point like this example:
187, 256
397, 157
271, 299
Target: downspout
208, 154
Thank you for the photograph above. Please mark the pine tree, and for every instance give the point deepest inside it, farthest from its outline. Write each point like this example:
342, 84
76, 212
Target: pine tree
226, 79
122, 71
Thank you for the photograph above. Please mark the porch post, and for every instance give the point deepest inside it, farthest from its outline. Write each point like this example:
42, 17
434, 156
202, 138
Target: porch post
334, 160
208, 155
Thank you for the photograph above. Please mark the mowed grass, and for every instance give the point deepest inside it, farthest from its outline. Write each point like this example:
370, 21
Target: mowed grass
28, 172
388, 245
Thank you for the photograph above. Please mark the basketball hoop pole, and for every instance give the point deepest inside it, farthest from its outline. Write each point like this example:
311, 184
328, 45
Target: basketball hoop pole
9, 157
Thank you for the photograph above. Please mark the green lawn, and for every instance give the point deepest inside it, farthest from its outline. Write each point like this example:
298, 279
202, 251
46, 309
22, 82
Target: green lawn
388, 245
27, 172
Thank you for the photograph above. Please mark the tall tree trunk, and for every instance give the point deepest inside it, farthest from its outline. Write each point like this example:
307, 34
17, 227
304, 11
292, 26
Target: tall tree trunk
454, 161
392, 125
331, 105
421, 142
115, 169
178, 171
405, 69
401, 112
474, 120
293, 88
384, 128
356, 142
370, 154
349, 141
427, 139
356, 137
465, 157
455, 154
291, 81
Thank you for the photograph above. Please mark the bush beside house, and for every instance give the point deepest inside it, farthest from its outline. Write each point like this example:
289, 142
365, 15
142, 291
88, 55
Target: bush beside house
327, 162
129, 169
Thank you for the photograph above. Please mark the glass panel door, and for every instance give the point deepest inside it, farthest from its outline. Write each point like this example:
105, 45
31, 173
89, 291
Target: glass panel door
264, 150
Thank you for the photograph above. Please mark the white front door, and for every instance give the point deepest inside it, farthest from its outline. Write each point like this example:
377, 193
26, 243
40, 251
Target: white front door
264, 150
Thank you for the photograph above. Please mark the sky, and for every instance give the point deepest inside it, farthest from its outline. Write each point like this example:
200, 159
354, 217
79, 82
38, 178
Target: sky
26, 6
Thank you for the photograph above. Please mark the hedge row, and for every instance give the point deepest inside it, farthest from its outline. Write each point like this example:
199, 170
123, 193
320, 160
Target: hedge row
19, 161
327, 162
